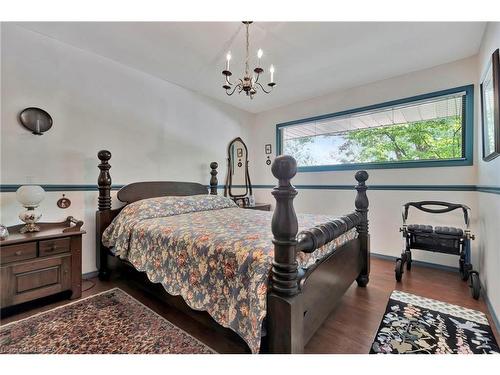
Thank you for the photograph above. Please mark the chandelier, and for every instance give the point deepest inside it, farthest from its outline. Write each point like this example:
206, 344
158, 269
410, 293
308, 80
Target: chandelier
250, 82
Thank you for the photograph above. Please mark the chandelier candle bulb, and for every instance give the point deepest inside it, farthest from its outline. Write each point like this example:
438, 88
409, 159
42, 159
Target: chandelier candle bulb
228, 57
271, 70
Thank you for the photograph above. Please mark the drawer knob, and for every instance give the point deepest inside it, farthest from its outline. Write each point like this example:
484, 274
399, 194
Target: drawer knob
19, 252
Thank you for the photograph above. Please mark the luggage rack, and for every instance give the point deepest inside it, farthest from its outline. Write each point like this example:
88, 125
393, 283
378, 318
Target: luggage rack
446, 240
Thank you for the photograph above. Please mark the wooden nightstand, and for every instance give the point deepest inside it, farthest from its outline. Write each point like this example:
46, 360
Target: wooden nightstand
39, 264
260, 207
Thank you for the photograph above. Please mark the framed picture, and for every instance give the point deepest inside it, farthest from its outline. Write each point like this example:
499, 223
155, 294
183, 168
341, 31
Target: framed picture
268, 149
490, 112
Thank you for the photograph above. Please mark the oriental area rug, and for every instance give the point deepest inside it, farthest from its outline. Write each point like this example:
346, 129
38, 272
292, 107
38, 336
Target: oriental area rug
414, 324
105, 323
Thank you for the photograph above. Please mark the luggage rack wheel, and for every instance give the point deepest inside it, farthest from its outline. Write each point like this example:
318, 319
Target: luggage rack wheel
464, 264
408, 260
399, 269
464, 269
474, 284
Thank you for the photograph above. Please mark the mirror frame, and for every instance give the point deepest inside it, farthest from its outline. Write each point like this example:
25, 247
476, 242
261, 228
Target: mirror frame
229, 179
493, 68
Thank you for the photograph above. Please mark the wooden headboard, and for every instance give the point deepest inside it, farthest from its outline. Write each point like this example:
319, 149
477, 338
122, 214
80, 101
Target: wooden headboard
134, 192
151, 189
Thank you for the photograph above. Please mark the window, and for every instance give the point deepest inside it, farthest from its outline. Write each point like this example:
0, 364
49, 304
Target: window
428, 130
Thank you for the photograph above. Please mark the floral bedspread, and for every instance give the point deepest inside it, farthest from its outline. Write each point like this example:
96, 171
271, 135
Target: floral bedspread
214, 254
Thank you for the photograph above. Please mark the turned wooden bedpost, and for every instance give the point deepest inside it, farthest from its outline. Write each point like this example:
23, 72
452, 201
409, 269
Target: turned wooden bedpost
104, 181
361, 203
285, 316
213, 180
104, 204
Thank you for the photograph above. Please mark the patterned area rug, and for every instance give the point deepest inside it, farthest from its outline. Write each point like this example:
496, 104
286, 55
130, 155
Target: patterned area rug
414, 324
109, 322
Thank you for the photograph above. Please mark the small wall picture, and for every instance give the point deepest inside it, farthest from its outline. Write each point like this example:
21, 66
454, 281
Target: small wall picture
490, 108
63, 202
239, 152
242, 202
269, 149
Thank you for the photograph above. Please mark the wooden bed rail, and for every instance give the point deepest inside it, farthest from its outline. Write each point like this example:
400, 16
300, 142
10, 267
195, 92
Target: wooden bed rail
312, 239
285, 305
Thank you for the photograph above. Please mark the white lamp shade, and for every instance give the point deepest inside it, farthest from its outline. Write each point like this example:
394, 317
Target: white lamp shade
30, 195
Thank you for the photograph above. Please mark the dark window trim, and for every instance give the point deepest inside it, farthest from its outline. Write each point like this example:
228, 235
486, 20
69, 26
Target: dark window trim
468, 145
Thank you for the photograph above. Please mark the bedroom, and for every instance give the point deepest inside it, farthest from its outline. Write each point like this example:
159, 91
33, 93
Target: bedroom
347, 122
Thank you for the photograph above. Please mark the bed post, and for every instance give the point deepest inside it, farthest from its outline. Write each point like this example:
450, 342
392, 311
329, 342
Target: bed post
284, 303
361, 203
213, 179
104, 204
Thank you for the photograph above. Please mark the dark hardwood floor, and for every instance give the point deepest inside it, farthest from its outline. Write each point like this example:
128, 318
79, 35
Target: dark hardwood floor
349, 329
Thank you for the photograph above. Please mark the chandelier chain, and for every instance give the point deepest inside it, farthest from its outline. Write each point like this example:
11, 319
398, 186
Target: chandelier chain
248, 47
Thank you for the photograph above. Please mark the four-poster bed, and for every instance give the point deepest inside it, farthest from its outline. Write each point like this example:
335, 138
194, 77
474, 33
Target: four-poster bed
297, 299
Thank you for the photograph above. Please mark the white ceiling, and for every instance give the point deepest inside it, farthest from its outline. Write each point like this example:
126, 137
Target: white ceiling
311, 58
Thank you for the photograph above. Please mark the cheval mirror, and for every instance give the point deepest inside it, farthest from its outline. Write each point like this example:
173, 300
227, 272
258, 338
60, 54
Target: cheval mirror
238, 186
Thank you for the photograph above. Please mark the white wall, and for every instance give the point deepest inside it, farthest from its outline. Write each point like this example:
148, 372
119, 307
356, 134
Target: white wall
385, 206
489, 204
154, 129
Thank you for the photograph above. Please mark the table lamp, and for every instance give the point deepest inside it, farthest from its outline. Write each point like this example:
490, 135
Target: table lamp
30, 197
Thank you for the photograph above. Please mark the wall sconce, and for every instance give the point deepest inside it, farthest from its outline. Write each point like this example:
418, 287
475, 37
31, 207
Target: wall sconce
35, 120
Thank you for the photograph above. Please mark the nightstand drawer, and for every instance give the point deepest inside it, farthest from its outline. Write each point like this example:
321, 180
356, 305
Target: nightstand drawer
50, 247
37, 279
26, 281
15, 253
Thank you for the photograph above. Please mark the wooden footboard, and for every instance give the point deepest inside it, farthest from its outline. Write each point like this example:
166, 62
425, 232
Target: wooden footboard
299, 303
323, 289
